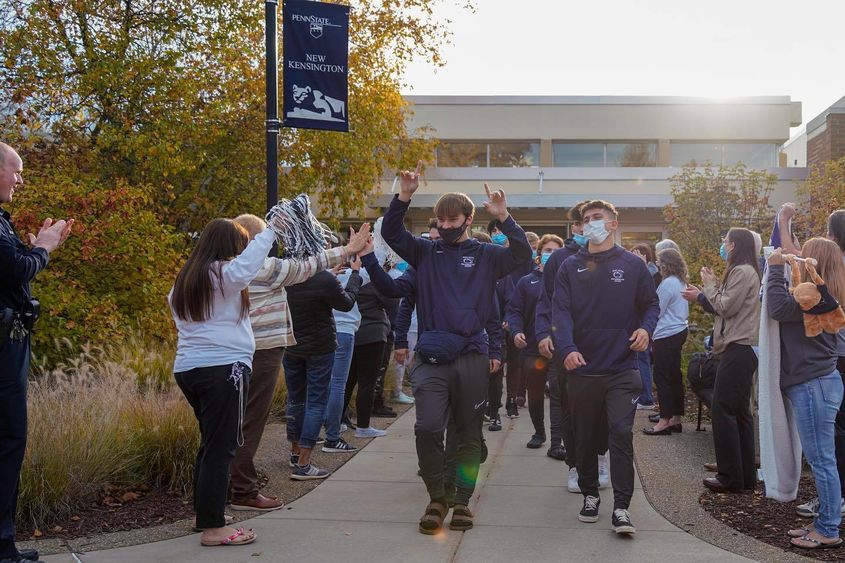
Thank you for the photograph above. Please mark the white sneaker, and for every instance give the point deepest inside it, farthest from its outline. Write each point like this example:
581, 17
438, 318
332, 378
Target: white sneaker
604, 472
369, 433
403, 399
572, 482
810, 509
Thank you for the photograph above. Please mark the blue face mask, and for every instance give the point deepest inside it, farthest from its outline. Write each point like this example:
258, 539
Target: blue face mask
581, 240
499, 239
534, 254
545, 258
402, 266
723, 252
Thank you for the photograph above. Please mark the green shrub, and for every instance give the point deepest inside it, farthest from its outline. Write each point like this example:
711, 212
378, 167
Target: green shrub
112, 276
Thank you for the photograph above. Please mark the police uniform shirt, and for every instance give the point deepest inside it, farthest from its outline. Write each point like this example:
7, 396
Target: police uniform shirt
18, 265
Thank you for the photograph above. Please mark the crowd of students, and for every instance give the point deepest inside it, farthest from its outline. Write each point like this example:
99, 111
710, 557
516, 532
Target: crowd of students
481, 320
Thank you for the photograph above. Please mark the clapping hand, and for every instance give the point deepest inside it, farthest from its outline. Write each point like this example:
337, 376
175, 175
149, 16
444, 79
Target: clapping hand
777, 258
51, 235
708, 277
640, 255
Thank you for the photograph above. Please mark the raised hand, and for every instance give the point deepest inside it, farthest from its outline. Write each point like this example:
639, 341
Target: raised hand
357, 241
496, 205
355, 263
409, 182
640, 255
368, 248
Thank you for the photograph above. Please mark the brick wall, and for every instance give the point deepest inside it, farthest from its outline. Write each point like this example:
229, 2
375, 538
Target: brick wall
830, 145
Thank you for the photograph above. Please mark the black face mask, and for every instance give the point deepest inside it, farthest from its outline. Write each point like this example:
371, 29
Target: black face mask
451, 236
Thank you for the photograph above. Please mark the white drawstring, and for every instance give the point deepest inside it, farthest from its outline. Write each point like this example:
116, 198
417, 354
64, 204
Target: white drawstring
237, 378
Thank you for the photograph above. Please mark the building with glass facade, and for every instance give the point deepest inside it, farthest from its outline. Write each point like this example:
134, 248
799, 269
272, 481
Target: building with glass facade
548, 153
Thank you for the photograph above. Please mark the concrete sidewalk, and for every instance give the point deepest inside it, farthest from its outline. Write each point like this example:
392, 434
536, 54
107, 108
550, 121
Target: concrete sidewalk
367, 512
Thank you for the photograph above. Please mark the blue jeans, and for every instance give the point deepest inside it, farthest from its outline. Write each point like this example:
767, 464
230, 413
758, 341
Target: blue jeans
307, 379
337, 389
816, 404
644, 361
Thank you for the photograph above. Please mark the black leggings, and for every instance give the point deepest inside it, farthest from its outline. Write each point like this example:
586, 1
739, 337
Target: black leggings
534, 370
364, 370
667, 374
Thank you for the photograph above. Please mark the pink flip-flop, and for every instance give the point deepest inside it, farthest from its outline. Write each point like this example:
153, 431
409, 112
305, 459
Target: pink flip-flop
234, 539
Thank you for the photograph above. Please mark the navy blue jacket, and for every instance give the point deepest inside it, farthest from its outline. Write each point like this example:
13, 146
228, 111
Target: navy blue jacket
455, 283
520, 311
543, 317
599, 301
18, 265
405, 286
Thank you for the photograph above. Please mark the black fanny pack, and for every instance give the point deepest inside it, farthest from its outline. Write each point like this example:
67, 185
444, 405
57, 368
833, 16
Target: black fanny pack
439, 347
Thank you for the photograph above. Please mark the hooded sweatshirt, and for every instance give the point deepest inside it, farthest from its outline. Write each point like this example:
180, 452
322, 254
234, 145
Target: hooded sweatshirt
456, 283
520, 312
600, 299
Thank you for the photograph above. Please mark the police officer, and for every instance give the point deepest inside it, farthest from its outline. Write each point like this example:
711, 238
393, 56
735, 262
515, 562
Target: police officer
18, 266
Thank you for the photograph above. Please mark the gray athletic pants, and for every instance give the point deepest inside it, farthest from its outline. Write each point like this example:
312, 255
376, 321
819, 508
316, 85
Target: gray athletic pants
462, 388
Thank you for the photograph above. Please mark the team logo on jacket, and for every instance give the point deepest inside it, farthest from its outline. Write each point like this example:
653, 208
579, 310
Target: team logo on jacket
468, 261
618, 276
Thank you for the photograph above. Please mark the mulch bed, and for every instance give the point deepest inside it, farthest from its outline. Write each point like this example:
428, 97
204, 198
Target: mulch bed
115, 510
766, 519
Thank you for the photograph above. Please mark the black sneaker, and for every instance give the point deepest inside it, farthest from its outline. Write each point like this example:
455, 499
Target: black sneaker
557, 452
622, 522
384, 412
590, 512
536, 441
338, 447
495, 423
511, 409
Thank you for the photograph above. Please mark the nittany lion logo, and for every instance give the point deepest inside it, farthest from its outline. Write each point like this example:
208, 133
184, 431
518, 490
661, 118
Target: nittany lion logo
468, 261
316, 30
618, 276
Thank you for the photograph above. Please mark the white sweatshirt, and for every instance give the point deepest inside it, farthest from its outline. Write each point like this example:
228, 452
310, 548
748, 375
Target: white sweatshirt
225, 338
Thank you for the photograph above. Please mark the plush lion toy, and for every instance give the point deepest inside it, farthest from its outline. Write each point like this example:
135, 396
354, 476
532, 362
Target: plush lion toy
821, 311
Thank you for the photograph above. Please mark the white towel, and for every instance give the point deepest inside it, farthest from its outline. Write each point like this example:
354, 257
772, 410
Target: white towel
780, 447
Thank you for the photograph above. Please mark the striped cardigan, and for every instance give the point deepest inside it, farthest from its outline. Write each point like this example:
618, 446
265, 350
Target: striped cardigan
268, 307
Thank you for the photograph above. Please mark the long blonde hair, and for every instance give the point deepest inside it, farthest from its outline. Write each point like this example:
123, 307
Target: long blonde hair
831, 268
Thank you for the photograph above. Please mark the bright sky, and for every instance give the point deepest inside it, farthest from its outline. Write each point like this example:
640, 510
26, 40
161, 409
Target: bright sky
643, 47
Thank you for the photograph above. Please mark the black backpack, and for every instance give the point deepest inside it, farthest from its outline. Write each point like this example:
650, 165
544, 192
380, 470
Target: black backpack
701, 371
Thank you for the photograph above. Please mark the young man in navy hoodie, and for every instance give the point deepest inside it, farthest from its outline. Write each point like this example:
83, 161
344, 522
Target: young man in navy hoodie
605, 309
456, 279
559, 412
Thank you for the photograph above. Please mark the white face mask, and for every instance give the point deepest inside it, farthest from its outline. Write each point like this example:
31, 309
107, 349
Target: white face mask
595, 231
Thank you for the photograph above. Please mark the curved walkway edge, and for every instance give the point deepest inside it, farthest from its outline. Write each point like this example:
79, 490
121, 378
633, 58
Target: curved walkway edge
367, 512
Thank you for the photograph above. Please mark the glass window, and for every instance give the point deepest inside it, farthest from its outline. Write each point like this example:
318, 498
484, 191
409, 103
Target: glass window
514, 155
630, 239
462, 155
631, 154
753, 155
697, 154
579, 154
